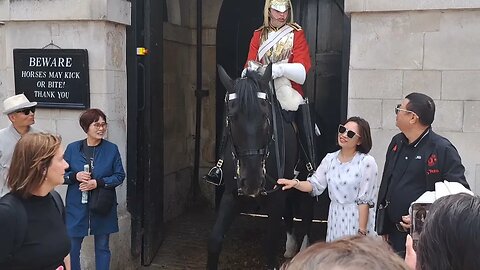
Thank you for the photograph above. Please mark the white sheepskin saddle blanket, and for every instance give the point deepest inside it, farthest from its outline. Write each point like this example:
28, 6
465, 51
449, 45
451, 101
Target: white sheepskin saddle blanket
288, 97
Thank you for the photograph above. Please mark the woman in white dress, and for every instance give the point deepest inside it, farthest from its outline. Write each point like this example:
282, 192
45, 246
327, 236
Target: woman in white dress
351, 177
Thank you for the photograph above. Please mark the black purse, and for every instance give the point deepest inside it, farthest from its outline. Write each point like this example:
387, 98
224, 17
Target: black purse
101, 200
381, 219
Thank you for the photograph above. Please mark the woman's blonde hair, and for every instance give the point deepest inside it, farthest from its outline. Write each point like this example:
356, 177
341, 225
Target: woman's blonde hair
353, 253
30, 161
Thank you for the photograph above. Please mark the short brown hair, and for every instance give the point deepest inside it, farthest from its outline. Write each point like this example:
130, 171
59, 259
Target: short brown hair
353, 253
89, 116
31, 158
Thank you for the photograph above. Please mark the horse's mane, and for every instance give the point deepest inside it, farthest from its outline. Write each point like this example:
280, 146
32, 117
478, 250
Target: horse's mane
246, 89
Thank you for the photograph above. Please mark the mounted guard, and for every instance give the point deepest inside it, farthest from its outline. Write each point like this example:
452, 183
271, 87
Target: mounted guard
281, 42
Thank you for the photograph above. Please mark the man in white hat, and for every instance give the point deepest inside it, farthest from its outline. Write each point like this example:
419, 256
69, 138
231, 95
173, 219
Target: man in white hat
21, 113
282, 42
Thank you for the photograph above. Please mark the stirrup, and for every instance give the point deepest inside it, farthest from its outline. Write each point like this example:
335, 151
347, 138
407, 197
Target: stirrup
215, 175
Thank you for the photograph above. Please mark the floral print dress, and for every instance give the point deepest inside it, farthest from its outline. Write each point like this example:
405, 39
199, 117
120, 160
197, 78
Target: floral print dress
349, 184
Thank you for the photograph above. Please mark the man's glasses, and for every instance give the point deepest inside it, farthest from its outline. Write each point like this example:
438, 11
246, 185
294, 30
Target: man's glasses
100, 125
350, 134
27, 111
397, 109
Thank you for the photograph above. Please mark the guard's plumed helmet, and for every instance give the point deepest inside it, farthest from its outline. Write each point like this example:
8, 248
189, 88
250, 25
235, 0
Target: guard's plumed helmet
279, 5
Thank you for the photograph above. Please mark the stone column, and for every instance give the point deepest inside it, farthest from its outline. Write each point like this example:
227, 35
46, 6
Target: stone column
100, 27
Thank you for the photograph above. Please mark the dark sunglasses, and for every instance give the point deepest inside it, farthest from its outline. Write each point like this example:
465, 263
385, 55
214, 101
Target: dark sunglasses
27, 111
350, 134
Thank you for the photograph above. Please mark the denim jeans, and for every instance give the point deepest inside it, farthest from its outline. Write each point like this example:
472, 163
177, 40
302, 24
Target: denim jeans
102, 252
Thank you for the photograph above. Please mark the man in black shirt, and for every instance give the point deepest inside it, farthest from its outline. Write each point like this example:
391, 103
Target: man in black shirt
416, 159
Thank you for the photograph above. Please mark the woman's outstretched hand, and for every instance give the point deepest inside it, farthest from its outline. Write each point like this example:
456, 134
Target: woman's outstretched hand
287, 183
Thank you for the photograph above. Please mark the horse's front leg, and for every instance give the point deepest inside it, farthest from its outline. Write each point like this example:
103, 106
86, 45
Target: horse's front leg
291, 243
275, 229
226, 214
306, 212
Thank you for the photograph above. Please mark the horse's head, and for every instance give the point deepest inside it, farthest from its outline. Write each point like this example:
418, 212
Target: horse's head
249, 127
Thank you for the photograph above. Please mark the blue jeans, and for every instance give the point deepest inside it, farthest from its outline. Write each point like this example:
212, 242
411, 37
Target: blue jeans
102, 252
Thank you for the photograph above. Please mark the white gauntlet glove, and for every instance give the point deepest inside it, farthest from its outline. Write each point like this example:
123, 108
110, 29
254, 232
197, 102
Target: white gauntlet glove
292, 71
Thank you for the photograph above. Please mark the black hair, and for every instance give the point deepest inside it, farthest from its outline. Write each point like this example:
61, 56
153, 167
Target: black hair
89, 116
423, 106
450, 239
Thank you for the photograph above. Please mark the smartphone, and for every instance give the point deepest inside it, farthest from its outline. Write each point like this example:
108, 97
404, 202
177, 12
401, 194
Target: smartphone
417, 216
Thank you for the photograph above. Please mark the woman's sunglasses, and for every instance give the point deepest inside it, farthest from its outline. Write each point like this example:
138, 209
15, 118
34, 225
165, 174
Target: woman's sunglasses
350, 134
27, 111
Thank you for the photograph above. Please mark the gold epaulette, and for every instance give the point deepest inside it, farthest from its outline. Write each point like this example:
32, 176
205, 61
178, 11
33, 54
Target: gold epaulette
295, 26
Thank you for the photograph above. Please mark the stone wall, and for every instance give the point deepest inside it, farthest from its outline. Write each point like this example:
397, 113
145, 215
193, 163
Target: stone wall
99, 27
398, 47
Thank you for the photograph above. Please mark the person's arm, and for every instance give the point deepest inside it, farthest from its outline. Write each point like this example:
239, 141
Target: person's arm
304, 186
382, 192
367, 192
299, 64
315, 184
118, 173
7, 231
362, 218
70, 175
452, 168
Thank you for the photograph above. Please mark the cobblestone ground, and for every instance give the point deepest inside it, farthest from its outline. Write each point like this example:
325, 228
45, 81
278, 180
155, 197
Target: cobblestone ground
185, 244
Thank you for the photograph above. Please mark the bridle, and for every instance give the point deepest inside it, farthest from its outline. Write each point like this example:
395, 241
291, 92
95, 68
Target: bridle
237, 153
264, 151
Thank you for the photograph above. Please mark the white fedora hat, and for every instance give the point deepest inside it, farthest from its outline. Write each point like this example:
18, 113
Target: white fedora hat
16, 103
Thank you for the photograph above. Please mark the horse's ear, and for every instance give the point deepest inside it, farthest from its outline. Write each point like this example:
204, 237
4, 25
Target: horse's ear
225, 79
267, 75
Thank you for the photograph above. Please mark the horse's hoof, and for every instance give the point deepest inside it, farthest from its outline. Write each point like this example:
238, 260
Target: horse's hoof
290, 246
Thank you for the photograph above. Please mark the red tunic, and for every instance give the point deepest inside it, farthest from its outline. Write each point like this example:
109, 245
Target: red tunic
300, 53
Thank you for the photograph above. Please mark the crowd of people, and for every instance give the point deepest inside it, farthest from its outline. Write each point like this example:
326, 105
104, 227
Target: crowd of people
37, 230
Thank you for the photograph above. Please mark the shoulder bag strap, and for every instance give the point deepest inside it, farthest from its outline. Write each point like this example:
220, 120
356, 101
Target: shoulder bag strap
58, 203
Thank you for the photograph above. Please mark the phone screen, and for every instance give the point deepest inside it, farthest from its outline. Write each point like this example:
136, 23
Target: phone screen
418, 216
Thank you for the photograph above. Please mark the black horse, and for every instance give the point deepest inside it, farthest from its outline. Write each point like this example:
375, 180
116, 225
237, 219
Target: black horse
256, 131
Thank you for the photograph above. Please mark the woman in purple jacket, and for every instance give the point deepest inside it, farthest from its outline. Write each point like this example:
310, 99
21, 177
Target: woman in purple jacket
105, 170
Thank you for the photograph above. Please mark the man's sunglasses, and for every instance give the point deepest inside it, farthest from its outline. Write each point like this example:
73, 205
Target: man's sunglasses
27, 111
397, 109
350, 134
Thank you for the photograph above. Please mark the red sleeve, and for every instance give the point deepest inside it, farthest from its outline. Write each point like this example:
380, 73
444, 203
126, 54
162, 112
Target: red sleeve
254, 45
301, 53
